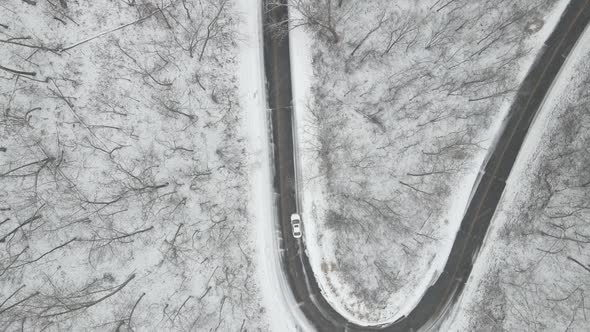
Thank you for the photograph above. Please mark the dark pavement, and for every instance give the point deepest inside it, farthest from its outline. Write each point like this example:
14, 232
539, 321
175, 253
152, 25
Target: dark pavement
447, 289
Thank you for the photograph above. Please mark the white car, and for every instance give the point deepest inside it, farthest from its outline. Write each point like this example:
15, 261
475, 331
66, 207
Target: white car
296, 225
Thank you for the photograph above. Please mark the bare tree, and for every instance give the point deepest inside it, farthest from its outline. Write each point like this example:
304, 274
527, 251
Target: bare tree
323, 16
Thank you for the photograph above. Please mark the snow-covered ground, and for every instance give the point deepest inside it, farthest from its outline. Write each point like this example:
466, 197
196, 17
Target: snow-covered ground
135, 166
391, 141
523, 279
134, 169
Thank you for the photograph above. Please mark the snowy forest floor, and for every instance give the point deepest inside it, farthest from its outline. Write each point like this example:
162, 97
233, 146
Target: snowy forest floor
124, 168
397, 105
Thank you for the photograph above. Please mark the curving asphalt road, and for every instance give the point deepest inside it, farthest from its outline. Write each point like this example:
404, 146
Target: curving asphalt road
447, 289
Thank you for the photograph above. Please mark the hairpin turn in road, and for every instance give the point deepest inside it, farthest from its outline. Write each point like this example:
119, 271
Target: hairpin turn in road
449, 285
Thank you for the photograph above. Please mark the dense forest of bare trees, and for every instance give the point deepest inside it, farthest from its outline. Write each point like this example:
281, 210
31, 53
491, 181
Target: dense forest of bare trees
123, 184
